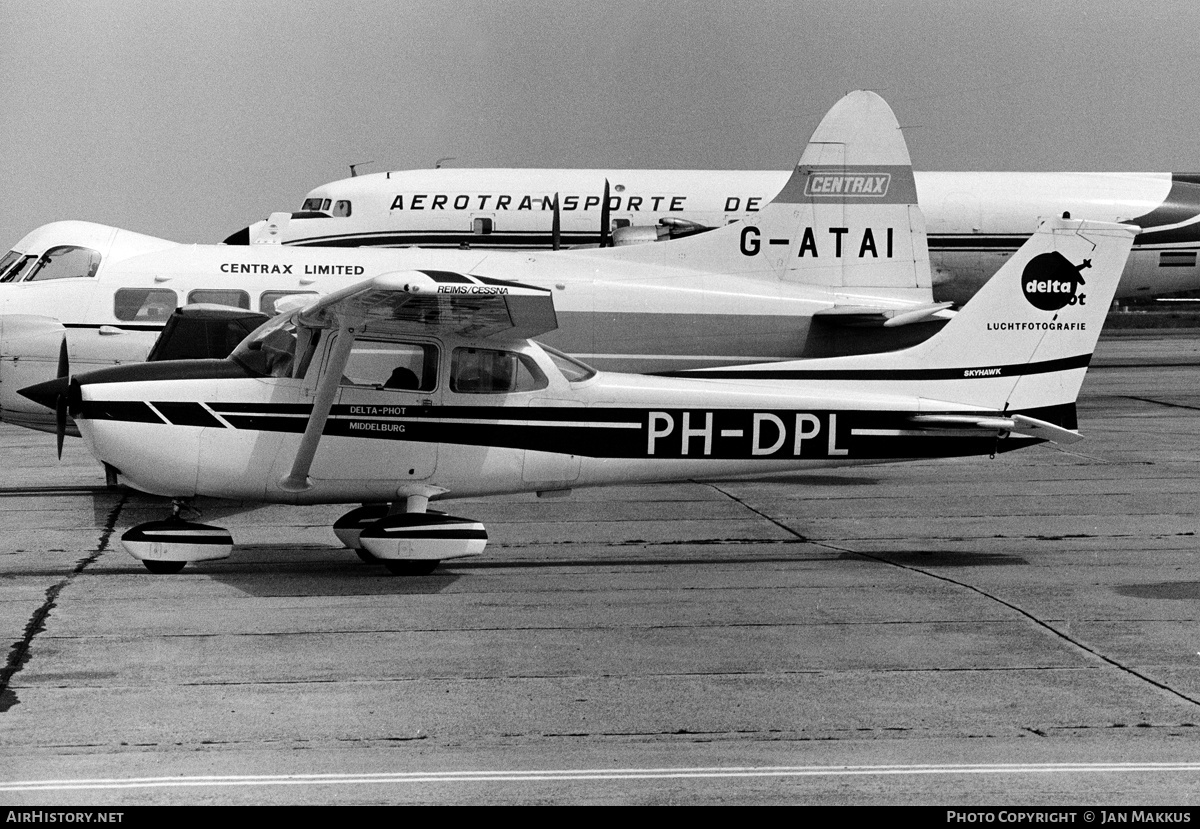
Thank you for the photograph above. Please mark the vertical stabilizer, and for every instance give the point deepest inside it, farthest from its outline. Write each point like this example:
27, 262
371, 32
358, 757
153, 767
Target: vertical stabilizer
847, 219
1023, 342
1035, 323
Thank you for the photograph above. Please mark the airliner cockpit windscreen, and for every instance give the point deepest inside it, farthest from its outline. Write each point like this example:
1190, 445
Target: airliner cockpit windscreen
13, 265
59, 262
340, 208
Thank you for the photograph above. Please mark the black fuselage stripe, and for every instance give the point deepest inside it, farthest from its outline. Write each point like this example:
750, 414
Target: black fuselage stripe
713, 434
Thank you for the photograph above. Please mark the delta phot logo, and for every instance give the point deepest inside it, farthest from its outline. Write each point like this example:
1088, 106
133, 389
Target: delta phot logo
1051, 282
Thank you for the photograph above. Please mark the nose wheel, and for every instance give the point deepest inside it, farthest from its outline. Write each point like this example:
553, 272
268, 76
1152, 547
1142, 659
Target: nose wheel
166, 547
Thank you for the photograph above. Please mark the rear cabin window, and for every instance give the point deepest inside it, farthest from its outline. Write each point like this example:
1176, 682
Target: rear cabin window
144, 304
215, 296
484, 371
572, 369
65, 262
392, 365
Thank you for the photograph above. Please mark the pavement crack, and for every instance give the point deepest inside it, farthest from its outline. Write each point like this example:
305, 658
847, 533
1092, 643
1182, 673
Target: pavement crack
19, 654
1134, 672
1161, 402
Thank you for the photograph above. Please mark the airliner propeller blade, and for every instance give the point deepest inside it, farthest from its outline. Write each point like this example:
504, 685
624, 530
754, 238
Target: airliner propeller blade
556, 226
605, 240
64, 359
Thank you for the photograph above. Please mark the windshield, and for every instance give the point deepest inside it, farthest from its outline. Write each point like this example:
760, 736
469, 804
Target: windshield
270, 351
13, 265
64, 262
7, 262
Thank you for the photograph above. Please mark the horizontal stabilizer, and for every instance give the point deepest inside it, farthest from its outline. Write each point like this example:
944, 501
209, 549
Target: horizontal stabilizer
1022, 424
270, 232
1041, 429
860, 316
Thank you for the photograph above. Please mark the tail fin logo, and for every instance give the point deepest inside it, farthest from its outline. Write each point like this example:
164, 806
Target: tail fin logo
869, 185
1051, 282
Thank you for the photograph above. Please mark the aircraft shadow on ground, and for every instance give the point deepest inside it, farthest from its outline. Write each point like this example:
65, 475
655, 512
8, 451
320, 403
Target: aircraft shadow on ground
802, 480
1178, 590
648, 560
272, 570
940, 558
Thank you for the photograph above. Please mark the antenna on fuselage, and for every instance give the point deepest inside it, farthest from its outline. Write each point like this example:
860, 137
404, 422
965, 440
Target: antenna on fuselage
437, 165
353, 171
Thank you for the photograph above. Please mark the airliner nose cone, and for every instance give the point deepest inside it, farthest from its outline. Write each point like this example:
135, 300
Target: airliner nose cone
47, 394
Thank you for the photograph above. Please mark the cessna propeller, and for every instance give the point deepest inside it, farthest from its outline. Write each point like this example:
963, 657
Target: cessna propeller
60, 401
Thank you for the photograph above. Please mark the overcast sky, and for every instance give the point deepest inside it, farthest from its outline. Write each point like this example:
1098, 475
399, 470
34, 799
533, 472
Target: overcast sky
190, 120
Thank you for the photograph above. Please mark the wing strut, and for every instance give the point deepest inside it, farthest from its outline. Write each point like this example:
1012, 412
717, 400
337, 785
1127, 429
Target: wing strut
297, 480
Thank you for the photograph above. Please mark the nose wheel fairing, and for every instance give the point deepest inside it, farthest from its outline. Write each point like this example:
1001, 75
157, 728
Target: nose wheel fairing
166, 546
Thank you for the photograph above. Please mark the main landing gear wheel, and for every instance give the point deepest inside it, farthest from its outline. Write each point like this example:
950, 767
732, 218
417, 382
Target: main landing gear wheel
164, 567
414, 543
409, 567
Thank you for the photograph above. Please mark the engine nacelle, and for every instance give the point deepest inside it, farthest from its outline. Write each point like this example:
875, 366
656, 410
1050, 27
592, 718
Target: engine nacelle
29, 354
29, 349
639, 234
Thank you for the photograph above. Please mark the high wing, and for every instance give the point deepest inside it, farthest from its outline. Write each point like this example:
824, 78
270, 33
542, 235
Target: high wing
406, 303
413, 301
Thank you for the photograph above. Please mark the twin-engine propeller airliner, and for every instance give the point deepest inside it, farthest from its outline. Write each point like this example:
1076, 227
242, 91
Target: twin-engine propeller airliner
419, 386
976, 220
840, 268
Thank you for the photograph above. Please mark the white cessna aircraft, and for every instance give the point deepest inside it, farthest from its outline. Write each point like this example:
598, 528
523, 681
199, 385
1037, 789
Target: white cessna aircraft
975, 220
414, 386
843, 275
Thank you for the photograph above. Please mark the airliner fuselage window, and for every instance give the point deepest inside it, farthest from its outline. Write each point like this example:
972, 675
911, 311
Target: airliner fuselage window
230, 297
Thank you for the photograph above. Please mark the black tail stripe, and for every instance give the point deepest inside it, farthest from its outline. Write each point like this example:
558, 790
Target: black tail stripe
1044, 367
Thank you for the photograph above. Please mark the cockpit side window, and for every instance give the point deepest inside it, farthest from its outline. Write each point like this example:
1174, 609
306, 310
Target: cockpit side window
65, 262
341, 208
397, 366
